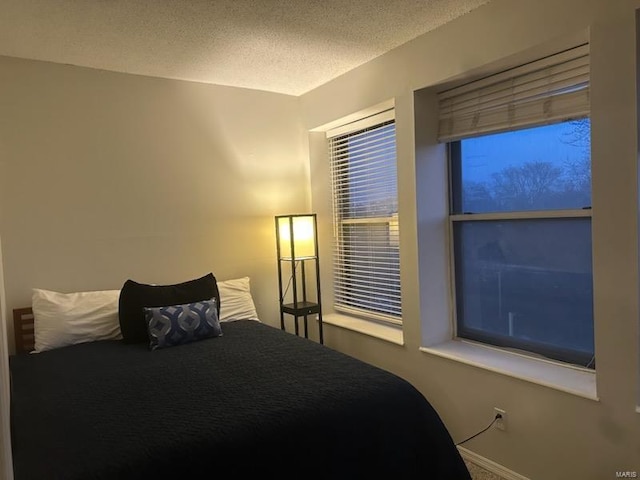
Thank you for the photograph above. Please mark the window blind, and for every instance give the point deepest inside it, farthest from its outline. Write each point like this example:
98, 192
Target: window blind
552, 89
365, 209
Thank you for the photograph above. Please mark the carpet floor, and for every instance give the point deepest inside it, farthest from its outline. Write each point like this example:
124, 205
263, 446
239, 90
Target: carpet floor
479, 473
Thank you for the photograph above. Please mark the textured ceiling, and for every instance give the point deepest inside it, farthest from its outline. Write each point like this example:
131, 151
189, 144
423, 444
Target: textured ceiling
285, 46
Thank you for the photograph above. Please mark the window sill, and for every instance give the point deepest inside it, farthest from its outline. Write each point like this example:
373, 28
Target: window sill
566, 378
384, 332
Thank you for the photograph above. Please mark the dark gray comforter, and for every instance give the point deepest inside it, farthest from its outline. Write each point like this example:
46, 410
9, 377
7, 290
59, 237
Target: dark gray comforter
254, 401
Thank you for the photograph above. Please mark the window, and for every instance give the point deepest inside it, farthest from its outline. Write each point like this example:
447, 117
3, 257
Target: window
365, 217
520, 197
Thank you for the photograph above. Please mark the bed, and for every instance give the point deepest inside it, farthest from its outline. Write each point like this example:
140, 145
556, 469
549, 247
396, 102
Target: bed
253, 400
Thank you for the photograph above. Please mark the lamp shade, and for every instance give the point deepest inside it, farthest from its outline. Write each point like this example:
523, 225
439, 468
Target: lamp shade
296, 236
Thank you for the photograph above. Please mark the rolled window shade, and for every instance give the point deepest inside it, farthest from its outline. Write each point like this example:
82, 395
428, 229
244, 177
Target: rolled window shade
553, 89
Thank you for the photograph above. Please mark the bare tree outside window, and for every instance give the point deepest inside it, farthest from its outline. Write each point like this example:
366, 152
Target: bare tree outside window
538, 184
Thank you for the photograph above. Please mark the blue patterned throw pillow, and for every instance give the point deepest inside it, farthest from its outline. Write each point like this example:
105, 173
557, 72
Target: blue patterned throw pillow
179, 324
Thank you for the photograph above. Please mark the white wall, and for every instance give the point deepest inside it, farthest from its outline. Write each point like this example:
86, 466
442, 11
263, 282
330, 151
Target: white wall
6, 470
105, 177
108, 176
552, 434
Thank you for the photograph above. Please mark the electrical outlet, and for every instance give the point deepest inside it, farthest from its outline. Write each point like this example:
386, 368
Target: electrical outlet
501, 423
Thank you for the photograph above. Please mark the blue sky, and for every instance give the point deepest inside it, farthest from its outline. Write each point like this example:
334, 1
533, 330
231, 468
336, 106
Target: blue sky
483, 156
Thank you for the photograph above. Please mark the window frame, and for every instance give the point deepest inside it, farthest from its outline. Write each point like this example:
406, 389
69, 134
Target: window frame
339, 222
454, 171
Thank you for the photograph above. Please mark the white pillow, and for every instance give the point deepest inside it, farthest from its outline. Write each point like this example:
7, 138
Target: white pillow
236, 302
62, 319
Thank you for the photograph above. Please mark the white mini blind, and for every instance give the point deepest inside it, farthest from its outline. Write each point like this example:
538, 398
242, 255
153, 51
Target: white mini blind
365, 209
553, 89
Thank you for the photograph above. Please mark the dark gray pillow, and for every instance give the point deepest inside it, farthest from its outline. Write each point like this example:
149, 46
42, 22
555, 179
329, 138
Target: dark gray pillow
135, 296
180, 324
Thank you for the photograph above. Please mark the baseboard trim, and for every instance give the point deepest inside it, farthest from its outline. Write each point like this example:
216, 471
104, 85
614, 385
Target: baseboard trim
490, 465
